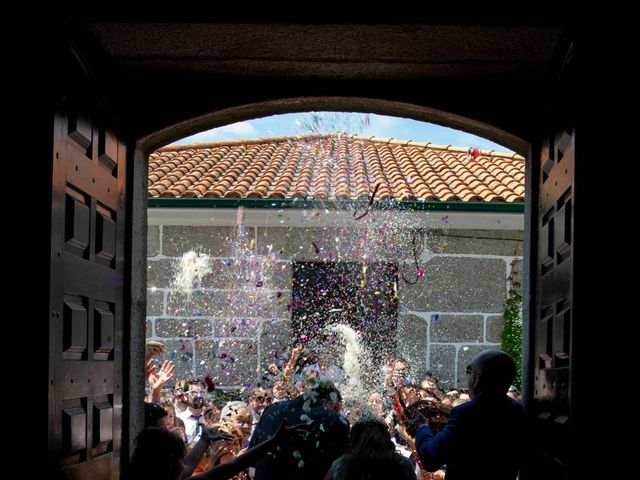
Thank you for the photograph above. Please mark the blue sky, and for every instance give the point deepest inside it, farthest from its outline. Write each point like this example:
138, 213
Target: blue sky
361, 124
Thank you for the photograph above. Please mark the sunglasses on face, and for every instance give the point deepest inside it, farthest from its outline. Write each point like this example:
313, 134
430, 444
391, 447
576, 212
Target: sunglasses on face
263, 399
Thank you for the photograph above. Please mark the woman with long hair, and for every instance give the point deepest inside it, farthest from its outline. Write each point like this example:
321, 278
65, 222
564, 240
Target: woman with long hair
373, 455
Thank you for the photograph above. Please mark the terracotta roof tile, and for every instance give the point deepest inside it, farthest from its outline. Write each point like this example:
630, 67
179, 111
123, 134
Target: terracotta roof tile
337, 166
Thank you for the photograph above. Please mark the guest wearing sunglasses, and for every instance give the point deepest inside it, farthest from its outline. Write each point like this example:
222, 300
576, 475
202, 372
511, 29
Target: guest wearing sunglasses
259, 399
477, 441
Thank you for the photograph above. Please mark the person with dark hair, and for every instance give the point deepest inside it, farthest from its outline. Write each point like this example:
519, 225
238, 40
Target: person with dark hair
399, 370
373, 456
477, 440
326, 440
154, 415
430, 386
260, 396
160, 455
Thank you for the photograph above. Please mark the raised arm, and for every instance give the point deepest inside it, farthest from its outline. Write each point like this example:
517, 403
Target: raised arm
435, 450
162, 378
153, 349
194, 455
291, 364
251, 456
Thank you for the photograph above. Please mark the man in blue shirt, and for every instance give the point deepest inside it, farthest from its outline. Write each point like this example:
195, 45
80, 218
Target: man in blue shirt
478, 440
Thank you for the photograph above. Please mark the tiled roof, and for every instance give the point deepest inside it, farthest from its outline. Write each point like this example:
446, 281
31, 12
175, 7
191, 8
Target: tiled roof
335, 167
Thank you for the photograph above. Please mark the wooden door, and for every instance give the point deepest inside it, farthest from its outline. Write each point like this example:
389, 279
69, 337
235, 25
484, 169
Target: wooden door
86, 297
553, 317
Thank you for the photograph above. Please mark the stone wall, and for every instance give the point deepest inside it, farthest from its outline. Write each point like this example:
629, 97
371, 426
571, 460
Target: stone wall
457, 312
444, 319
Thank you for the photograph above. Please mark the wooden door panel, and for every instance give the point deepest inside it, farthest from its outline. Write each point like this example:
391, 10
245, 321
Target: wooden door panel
88, 233
552, 321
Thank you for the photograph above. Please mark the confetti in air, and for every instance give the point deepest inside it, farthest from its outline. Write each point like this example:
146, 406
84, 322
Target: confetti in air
211, 386
249, 293
193, 267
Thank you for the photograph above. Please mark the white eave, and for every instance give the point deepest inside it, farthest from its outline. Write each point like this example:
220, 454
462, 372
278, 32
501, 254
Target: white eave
313, 218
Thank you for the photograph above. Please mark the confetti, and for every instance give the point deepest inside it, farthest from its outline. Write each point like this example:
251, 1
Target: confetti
211, 386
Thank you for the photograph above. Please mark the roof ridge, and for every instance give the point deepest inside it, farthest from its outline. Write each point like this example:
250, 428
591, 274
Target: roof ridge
248, 141
318, 136
450, 148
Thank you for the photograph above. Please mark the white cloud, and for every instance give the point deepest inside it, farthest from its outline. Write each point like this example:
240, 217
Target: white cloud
383, 121
237, 130
240, 128
208, 136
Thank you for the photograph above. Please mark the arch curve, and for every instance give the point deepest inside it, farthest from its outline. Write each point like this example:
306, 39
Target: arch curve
250, 111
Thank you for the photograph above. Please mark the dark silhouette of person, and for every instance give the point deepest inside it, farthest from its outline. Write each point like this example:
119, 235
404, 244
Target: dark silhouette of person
307, 457
478, 440
154, 415
373, 455
161, 455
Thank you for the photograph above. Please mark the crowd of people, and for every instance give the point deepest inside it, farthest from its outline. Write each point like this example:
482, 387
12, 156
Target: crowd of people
295, 424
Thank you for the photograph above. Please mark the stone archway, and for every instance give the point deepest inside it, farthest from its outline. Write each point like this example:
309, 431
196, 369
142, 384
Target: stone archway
226, 116
169, 134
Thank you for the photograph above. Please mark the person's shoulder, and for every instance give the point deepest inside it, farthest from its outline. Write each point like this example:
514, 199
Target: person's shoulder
515, 406
276, 408
404, 468
513, 401
465, 407
287, 404
402, 459
329, 418
341, 421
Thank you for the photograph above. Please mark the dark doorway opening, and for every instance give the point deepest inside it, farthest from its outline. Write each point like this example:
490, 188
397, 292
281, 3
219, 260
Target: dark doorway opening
361, 295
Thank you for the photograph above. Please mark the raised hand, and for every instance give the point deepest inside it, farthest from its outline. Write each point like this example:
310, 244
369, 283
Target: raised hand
291, 364
388, 380
213, 435
164, 375
150, 372
153, 349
